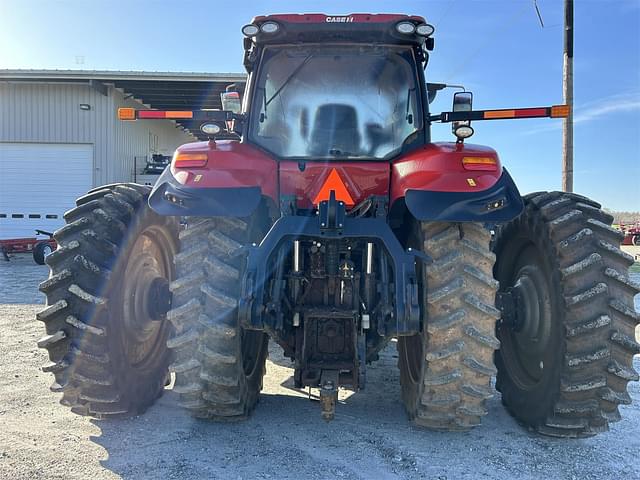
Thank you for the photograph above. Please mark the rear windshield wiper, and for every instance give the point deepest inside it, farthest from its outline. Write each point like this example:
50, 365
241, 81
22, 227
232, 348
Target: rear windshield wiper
284, 84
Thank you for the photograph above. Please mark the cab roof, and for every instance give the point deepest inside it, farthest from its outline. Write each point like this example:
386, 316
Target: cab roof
349, 18
353, 28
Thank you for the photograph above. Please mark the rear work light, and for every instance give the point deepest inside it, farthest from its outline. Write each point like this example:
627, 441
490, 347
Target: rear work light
210, 129
189, 160
463, 131
406, 28
487, 164
269, 27
425, 30
250, 30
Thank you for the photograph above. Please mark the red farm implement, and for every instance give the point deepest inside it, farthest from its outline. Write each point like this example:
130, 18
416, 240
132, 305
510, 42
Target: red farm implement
38, 247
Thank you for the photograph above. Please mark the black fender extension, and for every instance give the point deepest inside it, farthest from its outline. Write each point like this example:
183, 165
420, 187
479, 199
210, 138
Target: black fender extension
170, 198
498, 204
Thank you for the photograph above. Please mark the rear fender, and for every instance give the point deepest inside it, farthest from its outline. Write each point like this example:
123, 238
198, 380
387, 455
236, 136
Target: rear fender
232, 183
433, 185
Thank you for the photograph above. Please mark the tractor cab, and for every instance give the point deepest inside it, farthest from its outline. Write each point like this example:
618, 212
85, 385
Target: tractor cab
327, 87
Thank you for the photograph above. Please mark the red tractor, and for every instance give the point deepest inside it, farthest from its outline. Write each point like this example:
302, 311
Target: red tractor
332, 223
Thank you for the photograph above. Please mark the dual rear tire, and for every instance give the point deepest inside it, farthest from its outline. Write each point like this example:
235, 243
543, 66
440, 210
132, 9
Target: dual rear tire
219, 366
105, 337
563, 369
446, 370
564, 358
111, 337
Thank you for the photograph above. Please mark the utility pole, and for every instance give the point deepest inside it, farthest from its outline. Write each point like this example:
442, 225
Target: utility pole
567, 93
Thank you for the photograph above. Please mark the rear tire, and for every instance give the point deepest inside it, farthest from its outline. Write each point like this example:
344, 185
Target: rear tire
107, 355
564, 370
446, 370
218, 365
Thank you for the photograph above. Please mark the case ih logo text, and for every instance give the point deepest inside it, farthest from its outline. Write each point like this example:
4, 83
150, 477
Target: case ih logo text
339, 19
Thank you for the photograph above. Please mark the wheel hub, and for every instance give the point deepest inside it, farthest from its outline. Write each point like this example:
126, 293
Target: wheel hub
532, 309
145, 295
526, 317
158, 298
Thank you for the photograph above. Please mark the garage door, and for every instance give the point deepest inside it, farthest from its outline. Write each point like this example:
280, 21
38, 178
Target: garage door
38, 183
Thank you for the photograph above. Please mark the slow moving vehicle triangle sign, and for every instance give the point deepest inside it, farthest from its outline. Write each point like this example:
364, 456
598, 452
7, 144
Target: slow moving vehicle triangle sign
335, 183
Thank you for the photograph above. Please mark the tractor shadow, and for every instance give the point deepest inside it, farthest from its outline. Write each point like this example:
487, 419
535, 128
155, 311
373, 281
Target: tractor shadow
286, 425
279, 439
370, 437
285, 433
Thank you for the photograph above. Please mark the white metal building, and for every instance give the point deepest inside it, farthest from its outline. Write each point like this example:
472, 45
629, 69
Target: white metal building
60, 136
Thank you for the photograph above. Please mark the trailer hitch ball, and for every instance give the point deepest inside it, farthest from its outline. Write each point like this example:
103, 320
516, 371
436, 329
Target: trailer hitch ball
328, 394
329, 382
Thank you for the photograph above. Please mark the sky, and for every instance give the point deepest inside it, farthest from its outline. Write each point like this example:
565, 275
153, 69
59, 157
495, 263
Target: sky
495, 48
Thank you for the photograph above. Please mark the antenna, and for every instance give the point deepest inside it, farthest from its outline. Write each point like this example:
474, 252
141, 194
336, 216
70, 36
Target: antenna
535, 5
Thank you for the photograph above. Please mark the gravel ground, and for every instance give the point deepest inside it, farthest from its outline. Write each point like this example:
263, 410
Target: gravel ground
19, 279
285, 438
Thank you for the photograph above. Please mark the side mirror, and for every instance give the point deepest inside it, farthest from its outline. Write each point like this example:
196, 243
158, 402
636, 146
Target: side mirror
462, 102
231, 102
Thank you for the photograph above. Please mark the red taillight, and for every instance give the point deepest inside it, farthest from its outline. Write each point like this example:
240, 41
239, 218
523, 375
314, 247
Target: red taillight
516, 113
189, 160
487, 164
142, 114
530, 112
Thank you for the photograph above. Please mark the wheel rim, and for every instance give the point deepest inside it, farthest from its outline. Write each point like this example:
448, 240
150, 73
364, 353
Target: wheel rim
145, 279
525, 344
412, 348
412, 354
252, 345
46, 250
